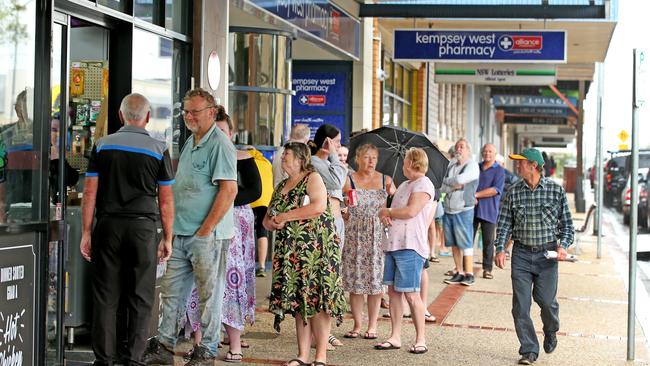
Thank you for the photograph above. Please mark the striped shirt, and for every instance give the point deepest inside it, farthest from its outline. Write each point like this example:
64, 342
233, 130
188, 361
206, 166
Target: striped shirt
535, 217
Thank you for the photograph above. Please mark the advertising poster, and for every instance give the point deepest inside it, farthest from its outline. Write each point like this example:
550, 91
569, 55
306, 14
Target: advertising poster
321, 97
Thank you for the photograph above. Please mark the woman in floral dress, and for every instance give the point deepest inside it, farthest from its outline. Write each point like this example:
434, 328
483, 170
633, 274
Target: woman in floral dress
306, 259
363, 255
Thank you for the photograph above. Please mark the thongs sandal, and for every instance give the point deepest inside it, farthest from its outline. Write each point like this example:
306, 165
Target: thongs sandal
418, 350
351, 334
386, 346
369, 335
233, 357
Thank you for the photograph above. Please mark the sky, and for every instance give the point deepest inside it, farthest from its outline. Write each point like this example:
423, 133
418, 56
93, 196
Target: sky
631, 32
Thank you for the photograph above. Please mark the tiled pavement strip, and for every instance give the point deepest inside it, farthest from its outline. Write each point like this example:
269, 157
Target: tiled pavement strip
475, 325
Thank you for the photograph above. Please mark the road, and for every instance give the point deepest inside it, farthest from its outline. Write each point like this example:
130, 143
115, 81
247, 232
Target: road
616, 237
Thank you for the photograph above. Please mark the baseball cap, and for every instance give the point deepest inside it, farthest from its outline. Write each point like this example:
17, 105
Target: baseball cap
530, 155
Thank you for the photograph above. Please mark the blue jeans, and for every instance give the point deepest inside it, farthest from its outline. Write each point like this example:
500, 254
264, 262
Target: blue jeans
459, 229
533, 274
200, 260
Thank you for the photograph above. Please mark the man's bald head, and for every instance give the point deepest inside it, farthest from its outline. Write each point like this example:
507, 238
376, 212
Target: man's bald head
135, 109
300, 133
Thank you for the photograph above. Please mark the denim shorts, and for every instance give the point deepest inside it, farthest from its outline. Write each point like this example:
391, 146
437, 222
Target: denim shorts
459, 229
403, 269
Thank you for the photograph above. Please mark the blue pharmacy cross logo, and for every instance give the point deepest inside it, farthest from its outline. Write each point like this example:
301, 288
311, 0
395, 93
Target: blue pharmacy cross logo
505, 43
303, 99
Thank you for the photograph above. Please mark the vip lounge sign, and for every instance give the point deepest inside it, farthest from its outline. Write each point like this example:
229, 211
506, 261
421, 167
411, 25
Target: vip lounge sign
17, 305
479, 46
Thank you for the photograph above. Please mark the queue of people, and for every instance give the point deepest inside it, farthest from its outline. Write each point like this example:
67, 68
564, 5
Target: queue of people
336, 233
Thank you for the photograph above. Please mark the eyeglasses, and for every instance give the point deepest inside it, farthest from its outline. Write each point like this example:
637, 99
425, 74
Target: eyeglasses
185, 112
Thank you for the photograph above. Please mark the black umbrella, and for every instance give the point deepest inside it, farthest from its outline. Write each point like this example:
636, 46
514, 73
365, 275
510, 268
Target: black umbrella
392, 143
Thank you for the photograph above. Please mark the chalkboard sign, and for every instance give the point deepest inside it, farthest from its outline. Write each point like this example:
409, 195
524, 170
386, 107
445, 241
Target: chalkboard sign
17, 266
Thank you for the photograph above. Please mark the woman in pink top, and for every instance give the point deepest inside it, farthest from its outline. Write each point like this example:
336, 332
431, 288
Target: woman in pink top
407, 248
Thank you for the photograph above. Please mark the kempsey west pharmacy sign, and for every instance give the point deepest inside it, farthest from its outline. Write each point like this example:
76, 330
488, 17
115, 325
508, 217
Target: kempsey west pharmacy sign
479, 46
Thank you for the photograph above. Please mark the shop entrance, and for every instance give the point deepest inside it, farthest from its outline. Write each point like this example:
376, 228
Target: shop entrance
96, 61
82, 101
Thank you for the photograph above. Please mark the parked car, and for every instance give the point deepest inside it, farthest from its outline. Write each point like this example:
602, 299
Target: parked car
614, 178
617, 171
626, 198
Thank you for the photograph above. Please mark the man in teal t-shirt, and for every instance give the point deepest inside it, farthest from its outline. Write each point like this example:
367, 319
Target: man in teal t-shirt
206, 186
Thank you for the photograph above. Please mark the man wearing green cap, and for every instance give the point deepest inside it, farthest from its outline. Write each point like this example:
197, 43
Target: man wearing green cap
536, 213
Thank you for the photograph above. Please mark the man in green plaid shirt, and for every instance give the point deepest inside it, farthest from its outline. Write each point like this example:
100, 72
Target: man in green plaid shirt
535, 212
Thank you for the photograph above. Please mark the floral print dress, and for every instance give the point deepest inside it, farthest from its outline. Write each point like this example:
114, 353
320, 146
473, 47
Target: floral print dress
363, 254
306, 262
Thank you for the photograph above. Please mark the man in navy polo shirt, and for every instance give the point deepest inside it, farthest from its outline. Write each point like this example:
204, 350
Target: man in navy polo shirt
488, 195
127, 171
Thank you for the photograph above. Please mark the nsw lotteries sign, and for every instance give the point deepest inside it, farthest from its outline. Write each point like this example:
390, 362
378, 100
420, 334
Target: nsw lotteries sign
495, 74
479, 46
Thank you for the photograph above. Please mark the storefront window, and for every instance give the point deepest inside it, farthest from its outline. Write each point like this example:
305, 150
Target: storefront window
18, 158
152, 77
145, 10
119, 5
397, 94
177, 15
171, 14
399, 80
388, 70
259, 71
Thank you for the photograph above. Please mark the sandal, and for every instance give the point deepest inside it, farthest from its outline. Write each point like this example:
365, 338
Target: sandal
434, 259
428, 318
242, 344
487, 275
351, 334
233, 357
451, 272
334, 342
318, 363
384, 346
369, 335
299, 361
418, 350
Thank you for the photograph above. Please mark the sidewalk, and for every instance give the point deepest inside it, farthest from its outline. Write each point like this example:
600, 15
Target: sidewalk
475, 325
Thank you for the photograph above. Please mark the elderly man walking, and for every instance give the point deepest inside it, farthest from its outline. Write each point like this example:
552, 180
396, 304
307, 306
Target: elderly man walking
203, 228
488, 194
536, 213
127, 171
460, 184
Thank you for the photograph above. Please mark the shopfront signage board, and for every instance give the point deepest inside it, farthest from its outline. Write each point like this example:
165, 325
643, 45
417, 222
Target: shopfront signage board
641, 76
535, 120
320, 97
495, 74
320, 18
17, 266
454, 45
505, 100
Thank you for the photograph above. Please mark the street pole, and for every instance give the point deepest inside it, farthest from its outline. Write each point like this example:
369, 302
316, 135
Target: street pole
637, 101
598, 227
